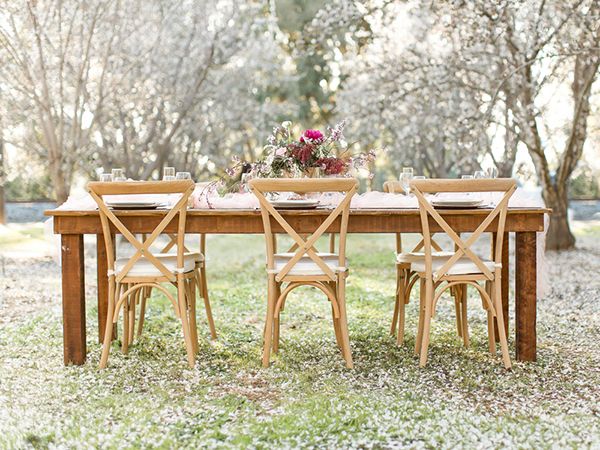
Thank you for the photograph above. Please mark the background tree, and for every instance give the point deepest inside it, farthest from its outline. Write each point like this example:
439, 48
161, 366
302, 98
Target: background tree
55, 53
538, 60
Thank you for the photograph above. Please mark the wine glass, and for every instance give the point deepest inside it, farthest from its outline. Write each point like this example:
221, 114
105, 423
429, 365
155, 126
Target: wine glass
118, 175
405, 177
492, 172
245, 186
183, 176
106, 177
168, 173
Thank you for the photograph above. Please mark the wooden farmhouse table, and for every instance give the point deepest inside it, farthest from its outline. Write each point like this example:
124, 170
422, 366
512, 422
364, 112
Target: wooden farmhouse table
73, 225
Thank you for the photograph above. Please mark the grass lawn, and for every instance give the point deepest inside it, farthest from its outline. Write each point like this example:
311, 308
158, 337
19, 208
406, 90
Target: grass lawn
307, 398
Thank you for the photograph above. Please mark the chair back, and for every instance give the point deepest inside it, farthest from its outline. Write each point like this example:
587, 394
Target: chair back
304, 245
99, 189
393, 187
462, 247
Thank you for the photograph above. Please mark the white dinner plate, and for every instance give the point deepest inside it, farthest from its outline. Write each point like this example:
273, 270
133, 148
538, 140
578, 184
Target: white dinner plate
134, 205
295, 204
456, 203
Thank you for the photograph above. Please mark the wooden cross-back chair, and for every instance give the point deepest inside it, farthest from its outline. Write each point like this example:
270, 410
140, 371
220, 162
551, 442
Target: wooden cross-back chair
127, 277
303, 265
406, 279
200, 260
464, 268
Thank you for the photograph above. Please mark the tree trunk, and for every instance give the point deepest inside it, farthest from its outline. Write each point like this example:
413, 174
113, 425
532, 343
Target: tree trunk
559, 236
61, 185
2, 213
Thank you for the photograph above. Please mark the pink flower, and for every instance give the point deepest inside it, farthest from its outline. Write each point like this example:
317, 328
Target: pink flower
312, 136
281, 151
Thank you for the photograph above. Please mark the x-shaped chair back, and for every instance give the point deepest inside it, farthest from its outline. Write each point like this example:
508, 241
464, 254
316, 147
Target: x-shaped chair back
463, 247
393, 187
305, 245
98, 190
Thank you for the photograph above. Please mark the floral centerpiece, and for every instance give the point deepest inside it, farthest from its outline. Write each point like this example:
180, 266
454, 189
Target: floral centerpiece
310, 154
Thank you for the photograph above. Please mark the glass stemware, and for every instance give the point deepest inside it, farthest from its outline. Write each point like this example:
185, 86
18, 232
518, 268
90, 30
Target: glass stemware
405, 177
492, 172
244, 185
183, 176
118, 175
168, 173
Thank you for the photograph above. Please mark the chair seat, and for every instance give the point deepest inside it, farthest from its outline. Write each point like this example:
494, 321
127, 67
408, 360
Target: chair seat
198, 257
464, 266
306, 266
144, 268
407, 258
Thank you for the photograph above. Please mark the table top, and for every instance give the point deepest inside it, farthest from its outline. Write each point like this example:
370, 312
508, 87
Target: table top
249, 221
295, 212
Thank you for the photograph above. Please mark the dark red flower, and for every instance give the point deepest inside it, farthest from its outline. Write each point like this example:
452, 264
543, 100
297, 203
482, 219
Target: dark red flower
332, 166
303, 153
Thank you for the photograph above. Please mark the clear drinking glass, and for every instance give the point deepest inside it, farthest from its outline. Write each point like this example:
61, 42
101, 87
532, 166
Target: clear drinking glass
118, 175
168, 173
492, 172
244, 186
106, 177
183, 176
405, 178
479, 174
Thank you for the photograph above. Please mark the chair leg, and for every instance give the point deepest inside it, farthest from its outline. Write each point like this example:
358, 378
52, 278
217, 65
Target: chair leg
491, 334
402, 294
145, 295
397, 300
426, 322
497, 296
343, 321
268, 333
457, 307
464, 321
276, 319
132, 309
490, 321
185, 321
126, 323
336, 329
108, 330
203, 288
419, 337
191, 296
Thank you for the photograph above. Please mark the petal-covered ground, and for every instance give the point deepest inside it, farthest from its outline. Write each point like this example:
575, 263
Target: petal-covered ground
149, 398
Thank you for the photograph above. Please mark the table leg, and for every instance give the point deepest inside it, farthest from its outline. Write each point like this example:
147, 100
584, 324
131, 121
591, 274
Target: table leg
526, 295
102, 269
504, 284
73, 299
